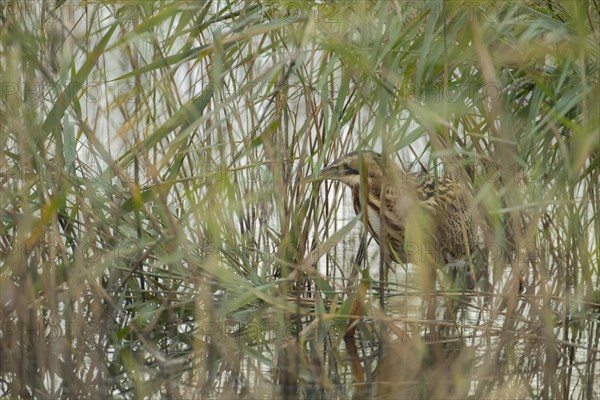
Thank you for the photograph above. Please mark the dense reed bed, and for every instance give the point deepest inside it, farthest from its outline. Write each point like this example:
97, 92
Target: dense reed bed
158, 240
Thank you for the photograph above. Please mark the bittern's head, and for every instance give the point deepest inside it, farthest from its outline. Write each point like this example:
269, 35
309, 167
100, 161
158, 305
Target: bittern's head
347, 169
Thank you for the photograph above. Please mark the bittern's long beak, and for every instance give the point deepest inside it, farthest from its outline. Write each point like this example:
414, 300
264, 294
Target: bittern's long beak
330, 172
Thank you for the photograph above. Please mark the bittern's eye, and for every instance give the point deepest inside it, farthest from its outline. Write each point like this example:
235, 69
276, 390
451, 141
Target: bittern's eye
348, 170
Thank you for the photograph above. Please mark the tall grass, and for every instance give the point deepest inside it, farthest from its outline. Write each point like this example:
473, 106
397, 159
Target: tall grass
157, 238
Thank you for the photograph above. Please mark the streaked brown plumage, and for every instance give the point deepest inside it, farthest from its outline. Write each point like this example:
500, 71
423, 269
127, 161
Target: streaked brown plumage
439, 205
423, 217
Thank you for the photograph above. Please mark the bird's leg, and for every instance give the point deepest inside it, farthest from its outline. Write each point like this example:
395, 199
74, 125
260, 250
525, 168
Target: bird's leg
360, 254
358, 260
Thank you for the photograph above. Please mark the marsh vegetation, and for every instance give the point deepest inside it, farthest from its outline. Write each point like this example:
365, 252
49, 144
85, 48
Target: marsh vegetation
158, 240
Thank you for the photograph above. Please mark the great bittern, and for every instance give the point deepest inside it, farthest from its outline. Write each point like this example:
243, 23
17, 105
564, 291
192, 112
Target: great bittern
440, 203
424, 220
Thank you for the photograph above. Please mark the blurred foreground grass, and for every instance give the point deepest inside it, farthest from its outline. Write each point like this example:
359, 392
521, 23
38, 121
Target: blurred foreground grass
157, 240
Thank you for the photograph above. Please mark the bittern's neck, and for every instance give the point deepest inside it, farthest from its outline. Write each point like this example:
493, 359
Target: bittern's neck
351, 180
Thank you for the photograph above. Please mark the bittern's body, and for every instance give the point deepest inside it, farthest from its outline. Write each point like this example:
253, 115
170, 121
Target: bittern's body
425, 221
437, 206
